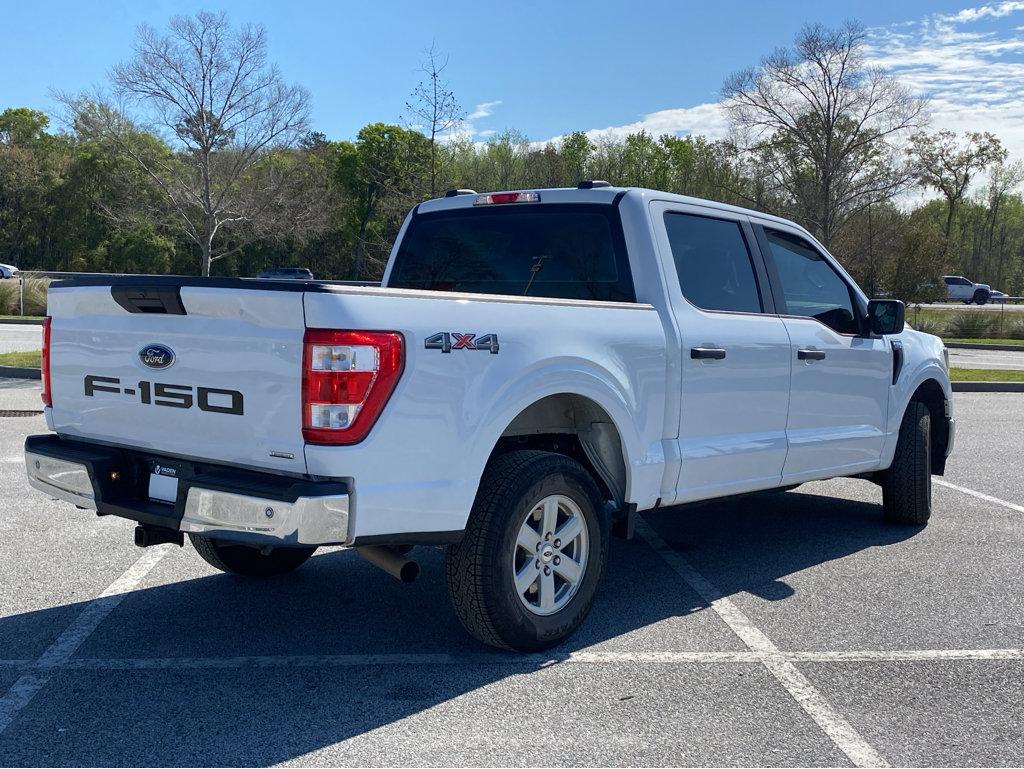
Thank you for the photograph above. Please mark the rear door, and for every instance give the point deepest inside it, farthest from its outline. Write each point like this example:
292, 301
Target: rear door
199, 372
735, 353
841, 375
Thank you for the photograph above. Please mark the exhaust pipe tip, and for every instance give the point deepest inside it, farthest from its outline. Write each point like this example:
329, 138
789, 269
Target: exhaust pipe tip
392, 561
409, 572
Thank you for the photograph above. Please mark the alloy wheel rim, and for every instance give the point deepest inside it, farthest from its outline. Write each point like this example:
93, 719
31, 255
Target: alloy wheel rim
549, 559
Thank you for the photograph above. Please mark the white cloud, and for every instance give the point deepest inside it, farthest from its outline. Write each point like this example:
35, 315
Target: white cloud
997, 10
972, 72
484, 109
707, 119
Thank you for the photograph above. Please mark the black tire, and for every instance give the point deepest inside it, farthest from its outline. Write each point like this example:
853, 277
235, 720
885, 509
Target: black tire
907, 485
480, 568
980, 297
246, 561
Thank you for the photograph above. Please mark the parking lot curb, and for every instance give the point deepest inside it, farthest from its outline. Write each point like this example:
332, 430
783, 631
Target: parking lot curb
996, 347
988, 387
20, 372
39, 322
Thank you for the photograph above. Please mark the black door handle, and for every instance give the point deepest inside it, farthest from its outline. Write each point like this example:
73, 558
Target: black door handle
707, 353
810, 354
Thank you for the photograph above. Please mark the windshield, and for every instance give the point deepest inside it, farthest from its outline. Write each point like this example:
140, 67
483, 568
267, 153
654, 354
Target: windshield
562, 251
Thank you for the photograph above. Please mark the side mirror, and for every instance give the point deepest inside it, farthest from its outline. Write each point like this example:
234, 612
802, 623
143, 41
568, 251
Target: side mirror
885, 316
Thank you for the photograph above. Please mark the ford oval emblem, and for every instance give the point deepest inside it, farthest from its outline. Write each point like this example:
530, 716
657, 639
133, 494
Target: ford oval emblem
156, 355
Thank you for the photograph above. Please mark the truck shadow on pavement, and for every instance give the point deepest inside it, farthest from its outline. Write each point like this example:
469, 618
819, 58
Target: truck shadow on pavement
184, 713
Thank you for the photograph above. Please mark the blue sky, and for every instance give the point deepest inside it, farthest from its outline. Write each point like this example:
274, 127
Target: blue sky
545, 68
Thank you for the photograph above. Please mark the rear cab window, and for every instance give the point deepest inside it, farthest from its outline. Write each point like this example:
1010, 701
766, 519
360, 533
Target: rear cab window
556, 250
713, 263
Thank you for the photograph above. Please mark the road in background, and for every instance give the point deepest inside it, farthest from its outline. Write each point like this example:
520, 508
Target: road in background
20, 338
989, 359
988, 307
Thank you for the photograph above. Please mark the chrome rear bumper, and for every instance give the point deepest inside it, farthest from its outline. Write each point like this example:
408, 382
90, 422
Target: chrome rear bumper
240, 517
243, 506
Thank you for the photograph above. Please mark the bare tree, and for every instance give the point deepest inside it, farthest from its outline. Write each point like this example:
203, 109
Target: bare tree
1003, 178
434, 106
207, 89
825, 123
948, 165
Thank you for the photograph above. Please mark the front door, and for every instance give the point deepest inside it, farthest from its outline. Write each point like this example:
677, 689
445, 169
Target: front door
841, 375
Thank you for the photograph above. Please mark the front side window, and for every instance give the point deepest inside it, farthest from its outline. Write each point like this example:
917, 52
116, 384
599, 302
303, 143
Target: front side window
713, 263
810, 286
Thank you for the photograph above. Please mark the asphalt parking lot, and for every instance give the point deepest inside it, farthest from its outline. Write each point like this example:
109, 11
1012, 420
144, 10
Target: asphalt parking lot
778, 629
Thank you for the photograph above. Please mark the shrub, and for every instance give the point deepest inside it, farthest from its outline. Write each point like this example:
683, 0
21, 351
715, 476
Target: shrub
35, 295
970, 325
1015, 329
8, 297
930, 326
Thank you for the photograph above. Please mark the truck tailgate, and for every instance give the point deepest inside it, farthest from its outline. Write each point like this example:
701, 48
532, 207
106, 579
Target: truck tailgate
230, 391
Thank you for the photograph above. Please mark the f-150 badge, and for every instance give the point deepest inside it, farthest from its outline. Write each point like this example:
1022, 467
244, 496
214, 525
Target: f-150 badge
446, 341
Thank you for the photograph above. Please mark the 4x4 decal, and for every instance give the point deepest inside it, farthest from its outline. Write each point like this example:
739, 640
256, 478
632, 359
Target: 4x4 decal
443, 341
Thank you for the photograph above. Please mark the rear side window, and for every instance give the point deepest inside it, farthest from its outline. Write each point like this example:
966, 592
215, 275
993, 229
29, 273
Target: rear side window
713, 263
560, 251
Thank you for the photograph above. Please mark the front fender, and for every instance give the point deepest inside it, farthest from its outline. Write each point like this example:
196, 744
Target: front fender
923, 360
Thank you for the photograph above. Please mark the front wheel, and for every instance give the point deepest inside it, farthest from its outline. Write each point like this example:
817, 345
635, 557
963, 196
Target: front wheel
527, 568
980, 297
907, 484
248, 561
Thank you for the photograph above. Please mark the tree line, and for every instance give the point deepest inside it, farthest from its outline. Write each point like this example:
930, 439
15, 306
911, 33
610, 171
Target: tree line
199, 159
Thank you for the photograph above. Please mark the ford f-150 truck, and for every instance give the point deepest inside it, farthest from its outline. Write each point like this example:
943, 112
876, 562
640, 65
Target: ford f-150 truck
535, 368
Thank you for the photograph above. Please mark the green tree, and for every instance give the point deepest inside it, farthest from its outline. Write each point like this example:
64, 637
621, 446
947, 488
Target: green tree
384, 172
948, 164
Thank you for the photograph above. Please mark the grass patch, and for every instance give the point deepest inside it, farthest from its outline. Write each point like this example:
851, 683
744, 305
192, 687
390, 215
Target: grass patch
24, 359
1018, 342
985, 375
19, 317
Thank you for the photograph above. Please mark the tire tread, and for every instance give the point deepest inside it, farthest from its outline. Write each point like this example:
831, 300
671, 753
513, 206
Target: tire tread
906, 486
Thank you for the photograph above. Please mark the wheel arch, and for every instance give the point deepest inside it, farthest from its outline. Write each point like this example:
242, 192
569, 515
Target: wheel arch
578, 426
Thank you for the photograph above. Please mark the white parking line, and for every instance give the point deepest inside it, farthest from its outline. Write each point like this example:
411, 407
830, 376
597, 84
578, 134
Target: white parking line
837, 728
979, 495
908, 655
59, 652
518, 661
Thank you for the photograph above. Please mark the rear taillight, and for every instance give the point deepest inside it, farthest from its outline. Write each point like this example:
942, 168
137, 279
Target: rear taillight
347, 378
45, 363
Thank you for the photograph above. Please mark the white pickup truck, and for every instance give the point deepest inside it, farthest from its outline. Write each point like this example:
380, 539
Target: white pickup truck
536, 368
960, 289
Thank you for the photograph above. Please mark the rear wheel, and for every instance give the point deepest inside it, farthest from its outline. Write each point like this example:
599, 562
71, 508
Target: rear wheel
248, 561
907, 485
526, 571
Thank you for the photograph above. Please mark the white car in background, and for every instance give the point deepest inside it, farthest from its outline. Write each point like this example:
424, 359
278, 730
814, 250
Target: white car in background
960, 289
8, 271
